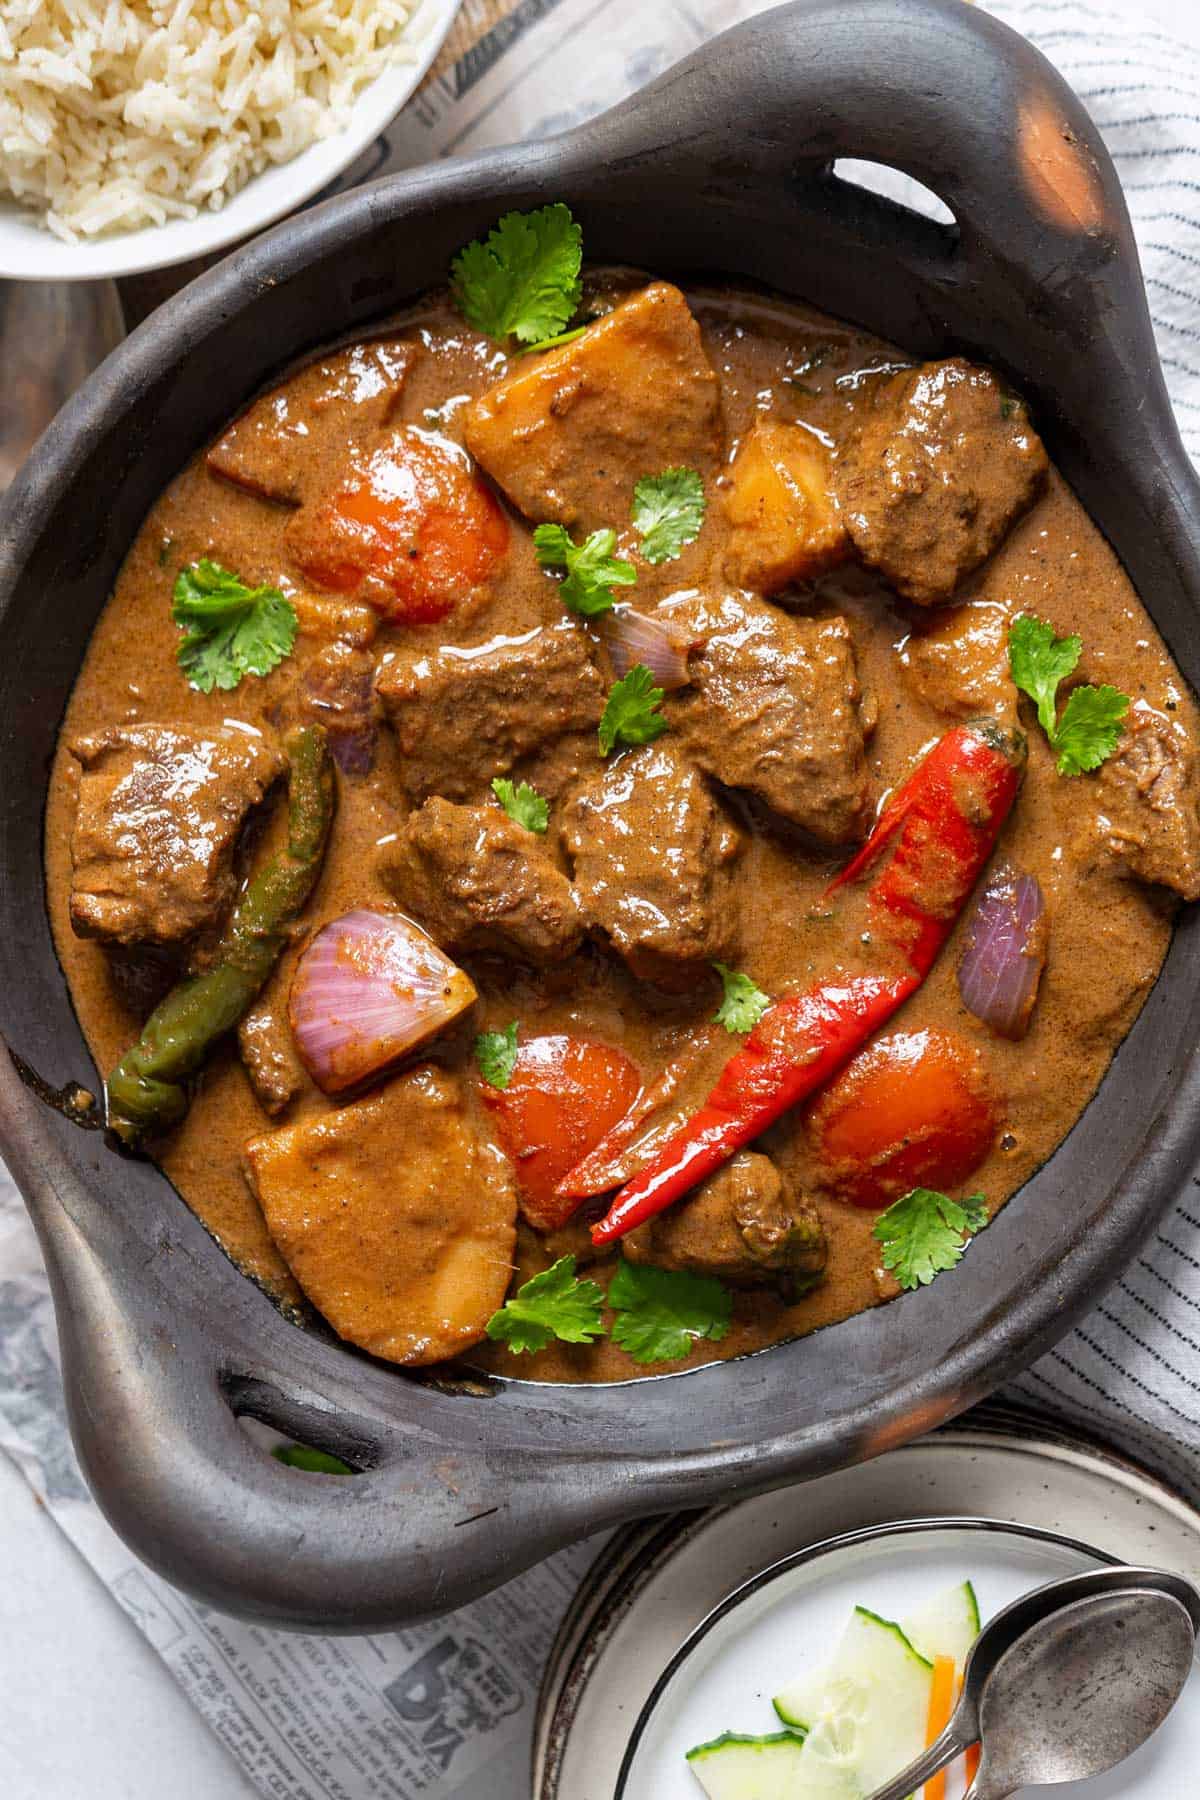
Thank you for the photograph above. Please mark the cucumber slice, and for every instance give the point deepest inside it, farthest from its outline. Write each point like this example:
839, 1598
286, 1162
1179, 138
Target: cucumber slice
866, 1711
946, 1626
737, 1767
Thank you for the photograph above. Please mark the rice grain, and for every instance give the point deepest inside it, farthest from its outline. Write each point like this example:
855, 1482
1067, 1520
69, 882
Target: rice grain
115, 114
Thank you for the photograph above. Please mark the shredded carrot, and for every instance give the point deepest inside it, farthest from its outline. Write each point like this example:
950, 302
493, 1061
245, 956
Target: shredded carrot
941, 1705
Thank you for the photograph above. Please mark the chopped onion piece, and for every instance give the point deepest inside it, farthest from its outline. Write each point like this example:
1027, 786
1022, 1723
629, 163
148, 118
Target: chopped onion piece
370, 987
1006, 952
633, 637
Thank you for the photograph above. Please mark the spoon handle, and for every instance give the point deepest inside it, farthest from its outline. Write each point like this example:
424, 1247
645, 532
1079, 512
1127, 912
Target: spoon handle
943, 1750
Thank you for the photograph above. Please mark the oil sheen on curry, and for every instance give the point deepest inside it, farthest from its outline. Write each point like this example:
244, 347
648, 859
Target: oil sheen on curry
598, 857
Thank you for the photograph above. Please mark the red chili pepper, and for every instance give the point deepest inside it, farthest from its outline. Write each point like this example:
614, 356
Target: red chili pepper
942, 825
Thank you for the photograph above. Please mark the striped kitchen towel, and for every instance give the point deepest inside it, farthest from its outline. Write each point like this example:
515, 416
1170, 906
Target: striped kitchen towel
1131, 1371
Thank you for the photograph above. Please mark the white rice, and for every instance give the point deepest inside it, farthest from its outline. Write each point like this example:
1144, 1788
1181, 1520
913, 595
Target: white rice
116, 114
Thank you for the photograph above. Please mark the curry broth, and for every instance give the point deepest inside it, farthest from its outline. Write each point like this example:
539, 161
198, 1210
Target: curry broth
1108, 934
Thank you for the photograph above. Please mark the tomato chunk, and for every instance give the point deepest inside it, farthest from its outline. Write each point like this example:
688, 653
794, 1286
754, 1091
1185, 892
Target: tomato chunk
410, 529
914, 1109
564, 1094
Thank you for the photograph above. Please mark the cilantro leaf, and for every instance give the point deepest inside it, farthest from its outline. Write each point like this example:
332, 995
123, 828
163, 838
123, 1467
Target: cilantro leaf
231, 629
1089, 728
925, 1232
742, 1003
1091, 722
662, 1312
592, 569
523, 804
521, 281
317, 1462
668, 510
496, 1054
630, 714
553, 343
1039, 661
554, 1304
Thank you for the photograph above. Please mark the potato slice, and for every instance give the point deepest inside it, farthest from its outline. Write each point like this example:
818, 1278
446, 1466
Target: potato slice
783, 518
569, 434
396, 1215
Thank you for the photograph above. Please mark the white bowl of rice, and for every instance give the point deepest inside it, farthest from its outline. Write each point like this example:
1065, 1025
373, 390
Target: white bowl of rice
139, 133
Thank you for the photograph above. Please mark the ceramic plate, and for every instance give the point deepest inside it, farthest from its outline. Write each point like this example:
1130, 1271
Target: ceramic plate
1030, 1501
785, 1621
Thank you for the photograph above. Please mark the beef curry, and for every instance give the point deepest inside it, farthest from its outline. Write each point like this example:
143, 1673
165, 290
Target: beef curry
691, 808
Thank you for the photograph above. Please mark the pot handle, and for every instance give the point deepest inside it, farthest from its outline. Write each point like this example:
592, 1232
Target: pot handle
454, 1486
937, 89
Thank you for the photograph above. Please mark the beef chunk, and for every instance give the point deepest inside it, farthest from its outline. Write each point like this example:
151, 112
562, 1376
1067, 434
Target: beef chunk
279, 444
571, 432
267, 1047
1149, 801
784, 522
651, 852
944, 464
338, 689
463, 716
745, 1224
478, 881
775, 708
160, 810
959, 666
396, 1216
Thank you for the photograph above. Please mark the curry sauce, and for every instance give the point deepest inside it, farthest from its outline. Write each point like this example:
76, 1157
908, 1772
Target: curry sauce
912, 669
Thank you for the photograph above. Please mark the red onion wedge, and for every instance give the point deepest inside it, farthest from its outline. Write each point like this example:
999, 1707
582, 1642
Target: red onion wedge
1001, 967
370, 987
633, 637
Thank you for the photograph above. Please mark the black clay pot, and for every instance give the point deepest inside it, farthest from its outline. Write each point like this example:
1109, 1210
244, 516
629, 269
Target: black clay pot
723, 166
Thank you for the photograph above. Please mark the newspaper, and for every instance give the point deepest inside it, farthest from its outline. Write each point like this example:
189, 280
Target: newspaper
545, 66
440, 1709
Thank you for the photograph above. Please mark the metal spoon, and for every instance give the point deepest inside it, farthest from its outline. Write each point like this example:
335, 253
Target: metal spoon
1067, 1682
